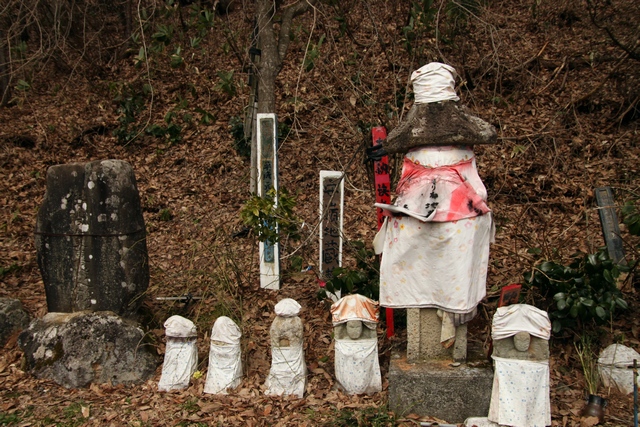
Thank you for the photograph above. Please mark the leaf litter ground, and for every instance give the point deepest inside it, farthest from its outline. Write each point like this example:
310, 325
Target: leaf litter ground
560, 137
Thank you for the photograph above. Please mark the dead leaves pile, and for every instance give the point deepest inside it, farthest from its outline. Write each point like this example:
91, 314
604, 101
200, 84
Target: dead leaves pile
523, 72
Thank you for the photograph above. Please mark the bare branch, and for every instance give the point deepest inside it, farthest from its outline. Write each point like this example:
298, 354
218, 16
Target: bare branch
291, 12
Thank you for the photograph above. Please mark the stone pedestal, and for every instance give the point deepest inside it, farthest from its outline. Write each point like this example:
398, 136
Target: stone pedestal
438, 389
77, 349
423, 338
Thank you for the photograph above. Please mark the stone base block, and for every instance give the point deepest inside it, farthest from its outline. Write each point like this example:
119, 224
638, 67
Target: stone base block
437, 389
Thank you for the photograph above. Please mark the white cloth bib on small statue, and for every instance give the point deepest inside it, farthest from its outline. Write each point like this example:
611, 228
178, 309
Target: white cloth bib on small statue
288, 372
181, 354
520, 394
356, 358
225, 363
357, 366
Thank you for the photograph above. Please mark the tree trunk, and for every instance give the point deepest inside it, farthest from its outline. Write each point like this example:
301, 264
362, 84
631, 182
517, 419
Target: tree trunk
5, 80
272, 53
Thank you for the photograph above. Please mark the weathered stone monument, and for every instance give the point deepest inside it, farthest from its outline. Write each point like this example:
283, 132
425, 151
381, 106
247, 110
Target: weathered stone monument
435, 247
225, 358
520, 393
288, 373
92, 253
357, 368
91, 240
180, 355
76, 349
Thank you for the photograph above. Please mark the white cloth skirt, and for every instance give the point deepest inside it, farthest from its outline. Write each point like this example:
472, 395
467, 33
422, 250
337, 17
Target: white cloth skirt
357, 367
520, 394
436, 264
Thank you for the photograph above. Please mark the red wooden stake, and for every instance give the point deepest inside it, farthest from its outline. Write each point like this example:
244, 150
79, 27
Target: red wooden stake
383, 195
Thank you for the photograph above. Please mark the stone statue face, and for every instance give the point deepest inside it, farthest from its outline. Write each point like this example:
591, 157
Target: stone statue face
354, 329
522, 341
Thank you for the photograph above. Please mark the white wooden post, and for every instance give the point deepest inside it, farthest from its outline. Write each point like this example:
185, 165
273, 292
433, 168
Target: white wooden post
331, 218
267, 160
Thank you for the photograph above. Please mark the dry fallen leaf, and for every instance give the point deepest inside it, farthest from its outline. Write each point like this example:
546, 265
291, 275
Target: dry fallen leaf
589, 421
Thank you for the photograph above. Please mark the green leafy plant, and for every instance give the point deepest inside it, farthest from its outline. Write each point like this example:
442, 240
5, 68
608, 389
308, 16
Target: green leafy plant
421, 21
631, 218
7, 270
363, 280
226, 83
582, 293
176, 58
165, 215
131, 101
313, 53
270, 220
163, 34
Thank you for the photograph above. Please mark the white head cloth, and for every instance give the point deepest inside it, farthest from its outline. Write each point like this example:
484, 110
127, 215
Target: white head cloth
515, 318
287, 308
434, 82
179, 327
355, 307
225, 330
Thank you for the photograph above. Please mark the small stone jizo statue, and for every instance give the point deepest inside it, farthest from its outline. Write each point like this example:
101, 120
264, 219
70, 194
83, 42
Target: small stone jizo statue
357, 368
435, 242
225, 361
288, 374
520, 394
181, 354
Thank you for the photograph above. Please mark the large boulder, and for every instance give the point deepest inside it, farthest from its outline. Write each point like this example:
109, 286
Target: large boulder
91, 239
13, 318
76, 349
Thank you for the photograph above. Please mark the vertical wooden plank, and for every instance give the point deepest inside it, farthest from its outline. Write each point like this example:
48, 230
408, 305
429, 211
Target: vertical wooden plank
331, 219
609, 222
383, 195
267, 160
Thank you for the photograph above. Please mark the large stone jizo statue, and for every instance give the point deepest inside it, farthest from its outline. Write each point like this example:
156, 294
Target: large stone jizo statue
436, 239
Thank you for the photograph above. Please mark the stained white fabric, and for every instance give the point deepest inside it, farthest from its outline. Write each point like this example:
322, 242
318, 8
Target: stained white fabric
448, 330
520, 394
288, 373
178, 326
613, 366
224, 329
437, 264
511, 319
225, 361
225, 368
287, 308
180, 361
441, 194
434, 82
479, 422
357, 367
355, 307
181, 354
